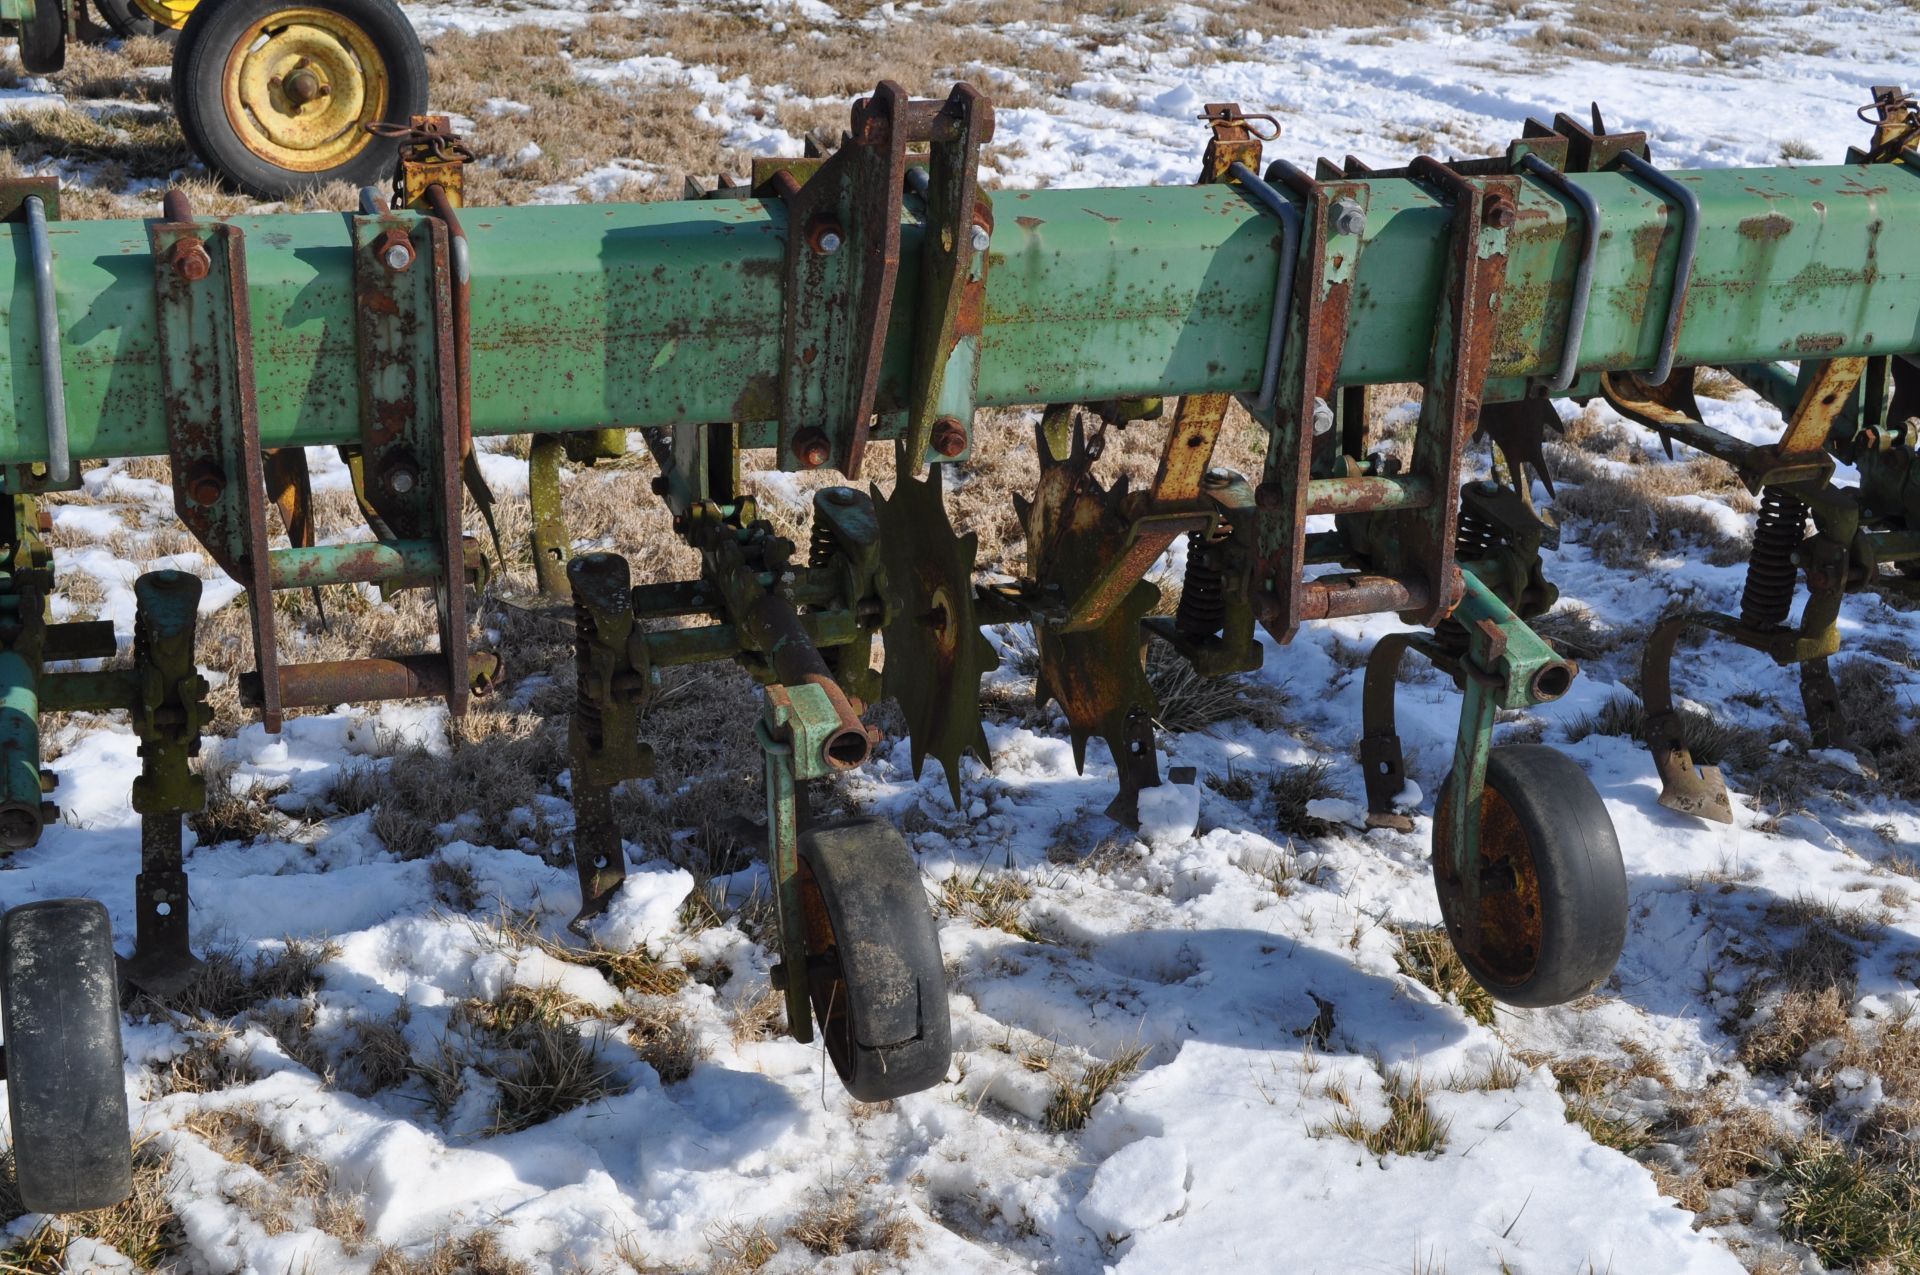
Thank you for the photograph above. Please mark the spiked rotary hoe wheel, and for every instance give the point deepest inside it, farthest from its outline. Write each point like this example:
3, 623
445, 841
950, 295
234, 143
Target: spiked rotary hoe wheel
936, 654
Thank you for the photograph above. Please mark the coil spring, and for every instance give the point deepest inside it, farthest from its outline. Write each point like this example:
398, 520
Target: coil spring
1203, 594
819, 544
1477, 536
1768, 596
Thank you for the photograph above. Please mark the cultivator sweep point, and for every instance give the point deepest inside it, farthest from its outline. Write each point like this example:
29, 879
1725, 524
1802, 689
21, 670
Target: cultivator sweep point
878, 295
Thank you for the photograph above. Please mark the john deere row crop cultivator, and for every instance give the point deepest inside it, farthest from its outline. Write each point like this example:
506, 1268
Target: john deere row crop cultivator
877, 298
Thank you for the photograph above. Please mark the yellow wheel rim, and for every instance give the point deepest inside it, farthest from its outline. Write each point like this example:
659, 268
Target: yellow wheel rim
171, 14
300, 88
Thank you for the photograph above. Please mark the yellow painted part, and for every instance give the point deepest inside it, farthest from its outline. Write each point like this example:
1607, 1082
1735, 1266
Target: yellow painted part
310, 53
172, 14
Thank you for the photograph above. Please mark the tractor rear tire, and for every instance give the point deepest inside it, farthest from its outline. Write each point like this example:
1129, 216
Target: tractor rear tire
276, 95
129, 18
875, 977
1553, 909
66, 1087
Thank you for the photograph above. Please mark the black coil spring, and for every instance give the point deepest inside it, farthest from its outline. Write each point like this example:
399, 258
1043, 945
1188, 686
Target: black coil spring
819, 544
1768, 597
1203, 597
1477, 537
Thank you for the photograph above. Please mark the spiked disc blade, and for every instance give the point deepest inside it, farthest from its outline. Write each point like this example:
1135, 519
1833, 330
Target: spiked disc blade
936, 654
1074, 528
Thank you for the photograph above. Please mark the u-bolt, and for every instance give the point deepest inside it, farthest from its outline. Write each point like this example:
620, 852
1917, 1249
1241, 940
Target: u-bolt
53, 385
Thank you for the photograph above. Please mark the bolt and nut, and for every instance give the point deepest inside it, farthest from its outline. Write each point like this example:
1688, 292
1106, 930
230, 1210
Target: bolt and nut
394, 250
206, 482
400, 475
811, 448
825, 238
949, 437
1347, 217
190, 260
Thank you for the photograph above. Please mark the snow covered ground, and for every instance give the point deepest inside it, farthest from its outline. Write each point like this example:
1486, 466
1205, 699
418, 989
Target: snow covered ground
1223, 997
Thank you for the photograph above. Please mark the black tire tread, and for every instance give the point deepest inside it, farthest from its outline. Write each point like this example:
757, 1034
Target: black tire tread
125, 20
66, 1089
43, 38
889, 955
1583, 882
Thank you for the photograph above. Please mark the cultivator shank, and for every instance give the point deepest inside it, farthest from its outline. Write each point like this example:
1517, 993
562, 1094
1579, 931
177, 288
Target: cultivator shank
878, 297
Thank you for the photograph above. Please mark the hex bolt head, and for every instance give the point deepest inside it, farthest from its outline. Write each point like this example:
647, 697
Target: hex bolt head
949, 437
190, 260
1322, 418
1498, 211
812, 448
981, 237
1347, 217
400, 475
825, 238
206, 483
394, 249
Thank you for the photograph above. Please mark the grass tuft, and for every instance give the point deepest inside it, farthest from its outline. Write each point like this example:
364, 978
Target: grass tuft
1293, 789
1411, 1127
1074, 1098
1425, 954
1852, 1210
995, 900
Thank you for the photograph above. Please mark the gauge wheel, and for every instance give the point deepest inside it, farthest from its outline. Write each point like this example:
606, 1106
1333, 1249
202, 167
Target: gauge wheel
276, 97
1553, 907
43, 38
161, 19
874, 974
66, 1087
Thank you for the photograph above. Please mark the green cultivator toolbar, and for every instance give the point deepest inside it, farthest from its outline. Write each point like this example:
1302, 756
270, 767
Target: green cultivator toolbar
878, 298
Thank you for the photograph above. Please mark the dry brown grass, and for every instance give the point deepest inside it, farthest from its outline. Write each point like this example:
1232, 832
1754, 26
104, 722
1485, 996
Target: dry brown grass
842, 1218
493, 766
995, 900
1411, 1126
1075, 1097
144, 1227
1425, 954
664, 1039
227, 986
296, 1189
1628, 518
1292, 789
531, 1044
231, 813
1874, 705
475, 1253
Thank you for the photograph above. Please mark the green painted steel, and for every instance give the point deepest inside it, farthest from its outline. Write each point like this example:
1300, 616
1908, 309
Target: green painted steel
19, 733
357, 561
669, 313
